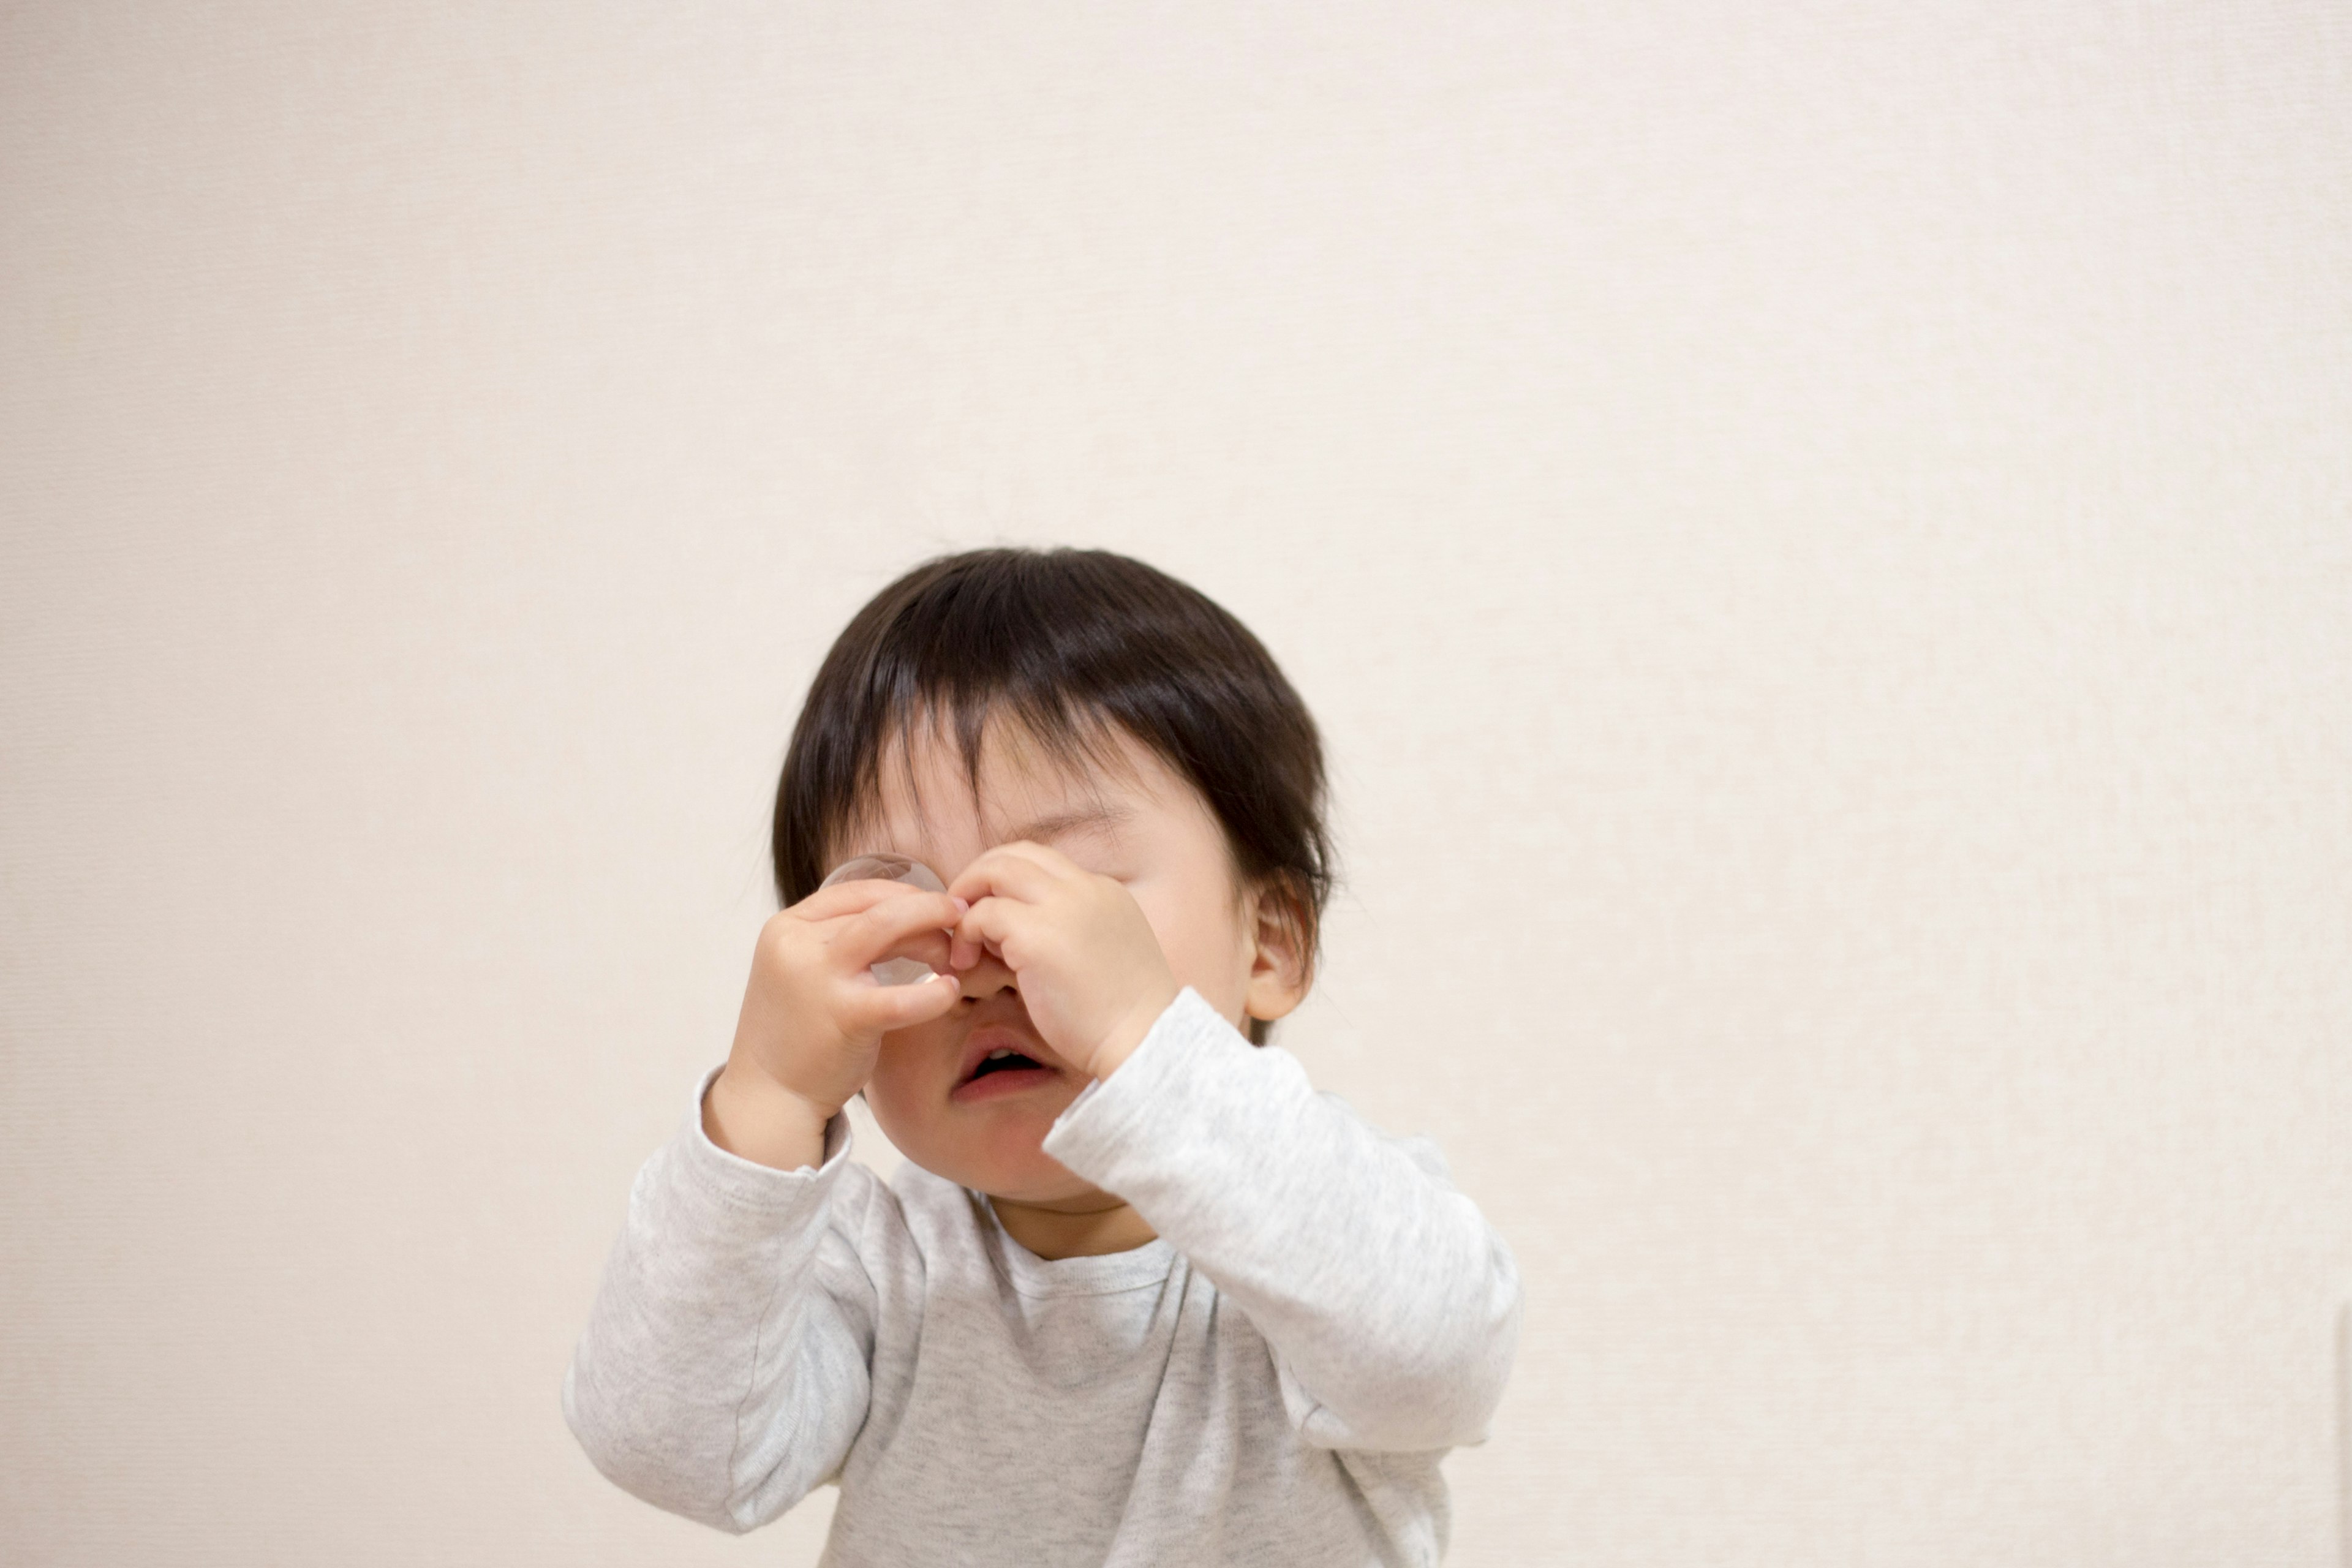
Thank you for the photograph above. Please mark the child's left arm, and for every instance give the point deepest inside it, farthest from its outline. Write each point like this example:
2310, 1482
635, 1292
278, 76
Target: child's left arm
1392, 1306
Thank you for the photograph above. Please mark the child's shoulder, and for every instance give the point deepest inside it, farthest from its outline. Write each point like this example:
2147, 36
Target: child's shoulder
909, 1205
916, 1228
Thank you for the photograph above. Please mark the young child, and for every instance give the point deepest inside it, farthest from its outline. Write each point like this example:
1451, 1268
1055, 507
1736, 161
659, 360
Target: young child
1140, 1294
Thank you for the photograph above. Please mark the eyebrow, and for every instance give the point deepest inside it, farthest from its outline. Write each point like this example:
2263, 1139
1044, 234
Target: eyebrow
1061, 822
1044, 828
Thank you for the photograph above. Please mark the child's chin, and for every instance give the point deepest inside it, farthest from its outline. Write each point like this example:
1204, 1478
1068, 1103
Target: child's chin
1033, 1179
1027, 1175
1003, 1157
1035, 1191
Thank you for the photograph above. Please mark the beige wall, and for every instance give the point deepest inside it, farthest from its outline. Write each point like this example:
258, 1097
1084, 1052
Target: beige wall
1821, 537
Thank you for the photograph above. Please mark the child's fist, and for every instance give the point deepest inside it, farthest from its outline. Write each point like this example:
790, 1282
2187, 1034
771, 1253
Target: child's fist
1089, 965
813, 1015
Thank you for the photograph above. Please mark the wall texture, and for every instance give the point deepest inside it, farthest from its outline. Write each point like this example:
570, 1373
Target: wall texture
1821, 537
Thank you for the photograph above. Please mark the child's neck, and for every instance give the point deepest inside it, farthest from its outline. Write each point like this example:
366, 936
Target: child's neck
1094, 1225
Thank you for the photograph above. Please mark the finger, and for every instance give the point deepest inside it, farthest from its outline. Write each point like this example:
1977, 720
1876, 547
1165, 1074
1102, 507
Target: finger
990, 925
1019, 869
928, 946
870, 936
853, 897
879, 1009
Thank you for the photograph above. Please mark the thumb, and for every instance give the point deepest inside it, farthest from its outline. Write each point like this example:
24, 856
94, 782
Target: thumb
887, 1007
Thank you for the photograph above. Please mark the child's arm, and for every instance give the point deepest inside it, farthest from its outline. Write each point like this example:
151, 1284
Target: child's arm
1391, 1307
723, 1373
725, 1367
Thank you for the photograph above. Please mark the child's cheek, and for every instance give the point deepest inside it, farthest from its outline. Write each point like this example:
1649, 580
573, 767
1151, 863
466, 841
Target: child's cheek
1200, 937
908, 1057
905, 1095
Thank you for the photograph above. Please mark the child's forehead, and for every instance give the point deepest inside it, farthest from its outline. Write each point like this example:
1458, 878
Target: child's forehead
1013, 774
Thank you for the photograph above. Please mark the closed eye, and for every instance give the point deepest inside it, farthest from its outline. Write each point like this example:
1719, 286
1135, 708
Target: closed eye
1105, 820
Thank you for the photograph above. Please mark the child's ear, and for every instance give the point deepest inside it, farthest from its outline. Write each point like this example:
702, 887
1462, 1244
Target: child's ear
1282, 962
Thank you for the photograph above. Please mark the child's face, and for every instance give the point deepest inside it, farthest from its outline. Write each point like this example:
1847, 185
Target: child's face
1145, 827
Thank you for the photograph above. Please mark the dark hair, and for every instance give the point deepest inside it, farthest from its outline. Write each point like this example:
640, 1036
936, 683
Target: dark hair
1066, 641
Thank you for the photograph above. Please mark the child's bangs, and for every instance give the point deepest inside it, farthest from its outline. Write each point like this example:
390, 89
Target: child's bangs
1043, 731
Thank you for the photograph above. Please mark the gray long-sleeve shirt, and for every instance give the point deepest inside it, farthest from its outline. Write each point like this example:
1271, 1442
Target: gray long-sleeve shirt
1273, 1380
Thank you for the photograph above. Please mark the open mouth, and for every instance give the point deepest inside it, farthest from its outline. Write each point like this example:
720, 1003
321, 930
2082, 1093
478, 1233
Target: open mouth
1003, 1061
1004, 1070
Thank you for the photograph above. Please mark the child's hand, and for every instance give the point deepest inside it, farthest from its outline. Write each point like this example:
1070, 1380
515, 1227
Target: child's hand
813, 1015
1089, 965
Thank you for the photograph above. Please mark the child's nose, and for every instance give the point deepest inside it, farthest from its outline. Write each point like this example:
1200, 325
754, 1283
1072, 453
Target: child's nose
982, 972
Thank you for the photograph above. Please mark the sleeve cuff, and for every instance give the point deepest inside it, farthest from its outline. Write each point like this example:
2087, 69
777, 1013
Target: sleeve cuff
1189, 1039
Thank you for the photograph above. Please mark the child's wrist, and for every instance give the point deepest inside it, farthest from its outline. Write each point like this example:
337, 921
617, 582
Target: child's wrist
1131, 1031
753, 1117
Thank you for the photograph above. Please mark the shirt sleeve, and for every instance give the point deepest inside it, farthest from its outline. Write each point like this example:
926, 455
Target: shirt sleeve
726, 1364
1390, 1304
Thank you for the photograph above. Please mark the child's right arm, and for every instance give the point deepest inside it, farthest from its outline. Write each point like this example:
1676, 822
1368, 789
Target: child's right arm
723, 1372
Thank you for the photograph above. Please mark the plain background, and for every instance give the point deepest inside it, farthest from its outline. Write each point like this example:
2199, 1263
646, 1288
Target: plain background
1819, 536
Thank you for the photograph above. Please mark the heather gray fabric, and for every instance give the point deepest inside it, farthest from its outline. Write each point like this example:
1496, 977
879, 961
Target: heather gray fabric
1272, 1381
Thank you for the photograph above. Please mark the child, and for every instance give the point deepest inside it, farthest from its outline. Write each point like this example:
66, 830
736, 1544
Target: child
1140, 1294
